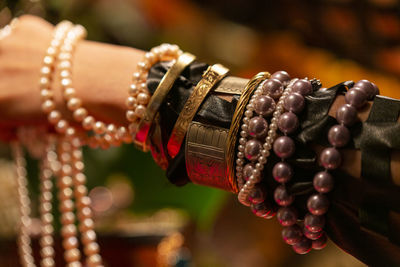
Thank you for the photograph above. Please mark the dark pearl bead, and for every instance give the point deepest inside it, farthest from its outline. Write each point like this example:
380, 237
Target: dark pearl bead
376, 89
282, 196
263, 209
346, 115
312, 235
367, 87
282, 76
330, 158
258, 127
302, 87
248, 170
294, 102
320, 243
318, 204
292, 234
273, 88
303, 246
288, 122
313, 222
338, 135
282, 172
252, 149
264, 105
356, 97
287, 216
284, 147
257, 195
323, 182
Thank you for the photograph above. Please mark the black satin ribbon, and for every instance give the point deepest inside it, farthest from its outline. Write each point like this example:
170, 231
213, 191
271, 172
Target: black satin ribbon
350, 222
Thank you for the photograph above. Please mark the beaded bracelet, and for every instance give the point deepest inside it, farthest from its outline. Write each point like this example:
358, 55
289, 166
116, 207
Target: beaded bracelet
264, 105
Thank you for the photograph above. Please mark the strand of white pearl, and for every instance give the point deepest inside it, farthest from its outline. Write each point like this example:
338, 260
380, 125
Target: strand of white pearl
24, 240
139, 95
48, 166
244, 134
262, 160
84, 211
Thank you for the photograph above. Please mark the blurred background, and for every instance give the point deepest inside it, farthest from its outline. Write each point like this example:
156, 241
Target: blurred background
143, 220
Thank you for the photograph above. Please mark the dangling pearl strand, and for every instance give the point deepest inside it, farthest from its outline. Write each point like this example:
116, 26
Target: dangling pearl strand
24, 240
139, 95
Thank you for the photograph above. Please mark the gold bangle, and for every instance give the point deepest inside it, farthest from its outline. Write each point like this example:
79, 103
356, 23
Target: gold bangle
237, 117
231, 85
205, 155
165, 85
211, 77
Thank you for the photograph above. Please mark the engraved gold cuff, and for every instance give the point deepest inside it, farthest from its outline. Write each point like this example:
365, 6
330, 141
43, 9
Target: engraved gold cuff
165, 85
211, 77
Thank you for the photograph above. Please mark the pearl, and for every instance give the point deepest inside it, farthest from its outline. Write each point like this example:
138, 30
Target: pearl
54, 117
88, 237
294, 102
66, 205
257, 195
303, 246
318, 204
284, 147
258, 127
80, 114
288, 122
282, 196
94, 260
46, 94
356, 97
367, 87
91, 248
48, 105
140, 111
252, 149
330, 158
74, 103
263, 209
338, 135
292, 234
312, 235
143, 98
99, 127
61, 126
323, 182
67, 218
70, 243
68, 230
282, 76
88, 123
302, 87
346, 115
248, 171
273, 88
320, 243
282, 172
72, 255
287, 216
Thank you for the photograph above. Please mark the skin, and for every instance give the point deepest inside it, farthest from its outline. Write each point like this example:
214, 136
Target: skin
101, 76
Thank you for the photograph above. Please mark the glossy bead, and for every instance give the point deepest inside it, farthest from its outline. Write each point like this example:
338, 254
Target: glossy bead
338, 135
346, 115
88, 123
72, 255
287, 216
376, 89
99, 127
323, 182
258, 127
303, 246
292, 234
282, 172
356, 97
282, 76
330, 158
260, 209
252, 149
320, 243
302, 87
80, 114
314, 223
367, 87
94, 260
273, 88
257, 195
264, 105
248, 171
294, 102
284, 147
282, 196
318, 204
91, 248
312, 235
288, 122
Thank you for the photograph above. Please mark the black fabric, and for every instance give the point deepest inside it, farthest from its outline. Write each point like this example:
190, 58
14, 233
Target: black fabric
357, 220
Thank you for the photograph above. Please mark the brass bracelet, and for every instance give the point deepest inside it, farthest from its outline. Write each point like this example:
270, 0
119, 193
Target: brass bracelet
211, 77
165, 85
237, 117
205, 155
